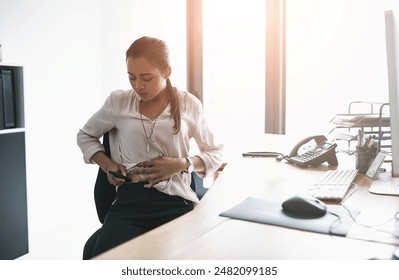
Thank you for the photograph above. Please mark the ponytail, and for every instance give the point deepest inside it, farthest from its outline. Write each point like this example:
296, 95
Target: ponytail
175, 106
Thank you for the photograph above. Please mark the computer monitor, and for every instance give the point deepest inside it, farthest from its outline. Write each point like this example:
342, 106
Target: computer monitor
388, 184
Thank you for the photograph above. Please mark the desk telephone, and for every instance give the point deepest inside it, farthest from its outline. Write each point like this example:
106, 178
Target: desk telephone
316, 154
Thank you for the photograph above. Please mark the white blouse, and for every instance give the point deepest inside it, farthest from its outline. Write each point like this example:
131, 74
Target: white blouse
129, 146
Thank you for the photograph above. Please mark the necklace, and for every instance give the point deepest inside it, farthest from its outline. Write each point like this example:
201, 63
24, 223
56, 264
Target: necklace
148, 138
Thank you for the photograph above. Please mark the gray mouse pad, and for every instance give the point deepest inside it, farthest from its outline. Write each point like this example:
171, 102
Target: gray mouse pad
337, 221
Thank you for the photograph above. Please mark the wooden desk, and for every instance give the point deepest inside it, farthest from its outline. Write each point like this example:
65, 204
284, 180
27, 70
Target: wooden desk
203, 234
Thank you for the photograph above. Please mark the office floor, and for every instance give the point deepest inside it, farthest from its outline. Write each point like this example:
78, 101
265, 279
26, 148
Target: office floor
64, 243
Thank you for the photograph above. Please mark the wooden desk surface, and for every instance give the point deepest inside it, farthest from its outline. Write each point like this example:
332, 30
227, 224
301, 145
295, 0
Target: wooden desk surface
203, 234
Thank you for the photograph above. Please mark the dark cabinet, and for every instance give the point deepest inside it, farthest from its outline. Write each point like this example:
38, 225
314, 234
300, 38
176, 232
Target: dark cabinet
13, 198
13, 195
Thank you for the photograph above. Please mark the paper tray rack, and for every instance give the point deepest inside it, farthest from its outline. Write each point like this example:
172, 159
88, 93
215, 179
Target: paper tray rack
375, 120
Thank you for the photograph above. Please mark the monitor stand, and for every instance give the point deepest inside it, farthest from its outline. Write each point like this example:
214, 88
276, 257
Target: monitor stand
385, 184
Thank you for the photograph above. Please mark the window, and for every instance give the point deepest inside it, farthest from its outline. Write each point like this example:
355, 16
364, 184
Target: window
234, 68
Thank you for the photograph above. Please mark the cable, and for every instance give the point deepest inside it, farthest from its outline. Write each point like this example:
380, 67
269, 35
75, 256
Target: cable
374, 227
354, 189
333, 223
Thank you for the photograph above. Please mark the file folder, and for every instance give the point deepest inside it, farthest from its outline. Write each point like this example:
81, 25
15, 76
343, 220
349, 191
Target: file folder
8, 118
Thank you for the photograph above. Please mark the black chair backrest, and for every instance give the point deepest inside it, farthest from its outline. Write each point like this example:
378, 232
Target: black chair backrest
104, 192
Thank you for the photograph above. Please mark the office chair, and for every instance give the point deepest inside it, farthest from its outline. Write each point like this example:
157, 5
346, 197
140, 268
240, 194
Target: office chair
104, 194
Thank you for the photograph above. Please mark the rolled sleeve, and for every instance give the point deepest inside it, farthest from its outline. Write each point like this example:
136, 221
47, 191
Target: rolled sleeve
89, 145
88, 136
211, 152
212, 161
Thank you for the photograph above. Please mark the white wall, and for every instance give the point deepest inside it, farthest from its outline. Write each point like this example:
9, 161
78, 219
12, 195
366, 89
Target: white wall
59, 45
73, 54
126, 20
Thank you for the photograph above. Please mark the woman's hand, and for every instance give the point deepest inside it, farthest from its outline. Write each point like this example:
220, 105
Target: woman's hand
159, 169
117, 168
108, 164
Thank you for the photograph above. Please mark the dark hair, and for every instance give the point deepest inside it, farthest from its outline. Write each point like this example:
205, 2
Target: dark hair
156, 51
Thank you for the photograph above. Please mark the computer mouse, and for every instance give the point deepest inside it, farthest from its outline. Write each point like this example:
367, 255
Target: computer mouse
302, 205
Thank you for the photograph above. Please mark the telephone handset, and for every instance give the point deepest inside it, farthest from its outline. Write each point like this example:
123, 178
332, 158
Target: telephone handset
314, 155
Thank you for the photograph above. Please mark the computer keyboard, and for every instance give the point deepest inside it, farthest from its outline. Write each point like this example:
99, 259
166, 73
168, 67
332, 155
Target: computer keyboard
334, 184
